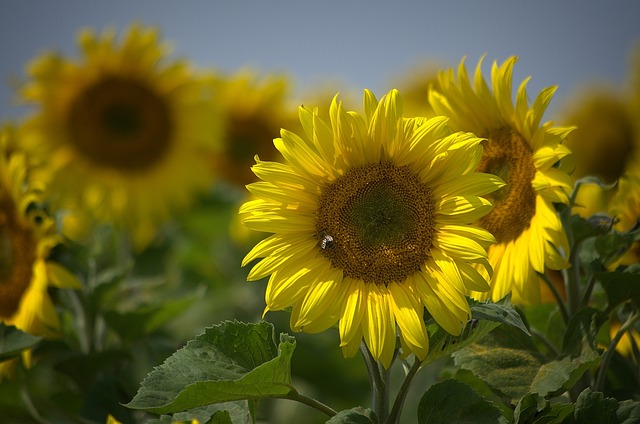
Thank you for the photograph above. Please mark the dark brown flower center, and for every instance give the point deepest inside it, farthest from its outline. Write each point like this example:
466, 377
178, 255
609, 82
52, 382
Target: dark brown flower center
17, 255
246, 136
121, 123
508, 156
376, 223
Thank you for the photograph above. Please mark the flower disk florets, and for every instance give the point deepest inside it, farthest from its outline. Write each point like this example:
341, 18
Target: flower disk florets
381, 221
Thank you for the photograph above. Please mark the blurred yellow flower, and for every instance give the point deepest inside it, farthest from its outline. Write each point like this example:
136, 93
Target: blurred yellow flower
27, 236
371, 218
125, 133
253, 112
611, 140
524, 154
627, 341
603, 142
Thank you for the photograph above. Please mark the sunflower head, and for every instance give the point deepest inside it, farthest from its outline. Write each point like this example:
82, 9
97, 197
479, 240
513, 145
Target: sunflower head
123, 130
370, 215
27, 235
526, 154
253, 112
604, 140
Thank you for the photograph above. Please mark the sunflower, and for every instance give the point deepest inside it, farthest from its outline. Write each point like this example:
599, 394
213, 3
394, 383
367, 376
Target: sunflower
524, 154
371, 220
27, 236
612, 140
603, 142
253, 111
124, 132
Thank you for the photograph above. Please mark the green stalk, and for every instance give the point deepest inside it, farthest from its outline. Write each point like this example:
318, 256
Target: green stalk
379, 380
394, 416
295, 396
556, 295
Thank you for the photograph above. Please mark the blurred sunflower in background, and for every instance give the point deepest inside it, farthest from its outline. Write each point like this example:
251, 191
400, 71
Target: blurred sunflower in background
370, 215
125, 133
525, 154
253, 111
27, 236
606, 145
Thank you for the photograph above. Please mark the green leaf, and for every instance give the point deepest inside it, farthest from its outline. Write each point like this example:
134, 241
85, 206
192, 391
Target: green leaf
455, 402
593, 407
483, 389
526, 409
628, 412
613, 245
620, 286
509, 370
558, 376
514, 367
14, 341
532, 409
224, 413
485, 317
583, 229
582, 331
230, 361
502, 312
358, 415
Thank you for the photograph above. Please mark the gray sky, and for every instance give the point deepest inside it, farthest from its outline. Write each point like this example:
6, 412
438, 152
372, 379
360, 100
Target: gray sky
361, 43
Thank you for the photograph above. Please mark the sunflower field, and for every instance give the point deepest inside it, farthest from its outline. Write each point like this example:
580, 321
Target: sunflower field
180, 244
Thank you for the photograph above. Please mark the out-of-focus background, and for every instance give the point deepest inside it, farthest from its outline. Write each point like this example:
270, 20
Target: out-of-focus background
191, 277
364, 44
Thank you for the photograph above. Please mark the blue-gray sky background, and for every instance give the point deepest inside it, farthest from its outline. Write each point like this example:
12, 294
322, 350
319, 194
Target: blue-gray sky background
363, 44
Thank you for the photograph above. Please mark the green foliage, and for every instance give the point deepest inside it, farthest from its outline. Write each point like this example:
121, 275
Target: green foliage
230, 361
454, 402
485, 317
14, 341
358, 415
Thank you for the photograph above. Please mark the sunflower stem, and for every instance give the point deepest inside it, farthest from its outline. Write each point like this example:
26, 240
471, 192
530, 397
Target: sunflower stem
556, 295
379, 380
572, 275
394, 416
25, 395
611, 349
587, 293
315, 404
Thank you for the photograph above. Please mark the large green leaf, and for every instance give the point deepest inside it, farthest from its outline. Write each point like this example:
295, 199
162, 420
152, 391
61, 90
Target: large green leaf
558, 376
454, 402
484, 390
230, 361
14, 341
509, 370
515, 369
